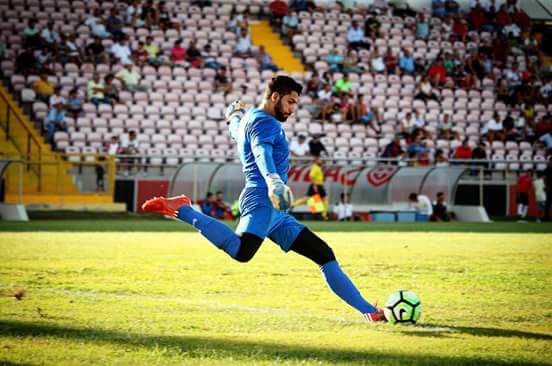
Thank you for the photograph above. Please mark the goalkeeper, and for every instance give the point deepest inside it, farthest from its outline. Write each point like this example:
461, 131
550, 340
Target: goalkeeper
264, 154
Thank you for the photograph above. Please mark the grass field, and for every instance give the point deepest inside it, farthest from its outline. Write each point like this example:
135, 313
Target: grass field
146, 292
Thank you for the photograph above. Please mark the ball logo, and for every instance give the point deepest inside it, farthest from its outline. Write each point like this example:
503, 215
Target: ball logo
380, 175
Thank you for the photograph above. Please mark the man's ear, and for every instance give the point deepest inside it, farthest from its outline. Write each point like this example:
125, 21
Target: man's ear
274, 97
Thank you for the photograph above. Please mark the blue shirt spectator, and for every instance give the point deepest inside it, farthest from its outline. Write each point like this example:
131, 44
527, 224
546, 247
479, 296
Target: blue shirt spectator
335, 60
406, 62
208, 206
422, 28
55, 121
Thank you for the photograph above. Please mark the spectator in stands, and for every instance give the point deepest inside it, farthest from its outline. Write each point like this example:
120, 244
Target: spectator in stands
344, 208
96, 24
74, 104
474, 65
479, 153
371, 26
406, 62
130, 77
391, 62
148, 13
326, 101
377, 63
26, 63
545, 91
301, 5
417, 148
460, 29
314, 84
365, 116
463, 151
133, 12
493, 129
420, 125
140, 56
315, 107
422, 27
45, 59
164, 20
299, 147
31, 35
290, 25
316, 147
278, 9
351, 63
55, 121
69, 50
153, 52
221, 207
546, 140
265, 61
393, 150
49, 36
208, 205
514, 81
407, 126
425, 90
540, 195
445, 128
193, 54
440, 211
57, 97
121, 51
421, 204
210, 58
438, 8
343, 85
335, 60
130, 146
43, 88
346, 106
239, 22
356, 38
222, 83
178, 54
113, 147
114, 23
243, 46
95, 52
437, 74
111, 90
95, 89
440, 159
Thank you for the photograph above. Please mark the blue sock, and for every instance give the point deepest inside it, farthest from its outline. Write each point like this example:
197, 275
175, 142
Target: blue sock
342, 286
216, 232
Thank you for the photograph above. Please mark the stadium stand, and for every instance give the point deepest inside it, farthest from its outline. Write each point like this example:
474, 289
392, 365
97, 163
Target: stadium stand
178, 107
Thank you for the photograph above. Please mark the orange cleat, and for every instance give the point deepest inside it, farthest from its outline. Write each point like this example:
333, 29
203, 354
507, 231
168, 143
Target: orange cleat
377, 316
166, 206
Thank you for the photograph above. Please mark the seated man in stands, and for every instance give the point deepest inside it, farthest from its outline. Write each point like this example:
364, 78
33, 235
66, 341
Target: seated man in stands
463, 152
265, 61
95, 91
222, 83
130, 78
55, 121
300, 147
121, 50
370, 118
95, 52
440, 212
356, 38
178, 54
193, 54
393, 150
243, 47
43, 88
129, 146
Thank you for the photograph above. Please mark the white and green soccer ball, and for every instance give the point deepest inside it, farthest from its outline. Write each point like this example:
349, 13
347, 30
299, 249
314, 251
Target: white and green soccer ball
402, 307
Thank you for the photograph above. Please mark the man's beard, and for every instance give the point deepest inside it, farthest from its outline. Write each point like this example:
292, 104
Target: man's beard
279, 113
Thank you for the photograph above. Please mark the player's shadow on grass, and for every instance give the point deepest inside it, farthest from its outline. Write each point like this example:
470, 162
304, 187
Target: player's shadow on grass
436, 330
202, 347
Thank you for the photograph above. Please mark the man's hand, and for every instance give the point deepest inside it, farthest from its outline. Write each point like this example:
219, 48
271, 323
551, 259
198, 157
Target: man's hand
235, 109
278, 192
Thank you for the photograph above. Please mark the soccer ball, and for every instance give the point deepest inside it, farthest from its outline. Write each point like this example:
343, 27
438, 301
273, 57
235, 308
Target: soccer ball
402, 307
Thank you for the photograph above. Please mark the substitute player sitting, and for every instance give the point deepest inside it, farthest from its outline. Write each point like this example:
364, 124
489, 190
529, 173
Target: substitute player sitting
264, 154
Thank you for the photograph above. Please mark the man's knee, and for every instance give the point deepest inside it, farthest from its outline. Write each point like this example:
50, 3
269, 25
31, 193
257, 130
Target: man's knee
313, 247
248, 247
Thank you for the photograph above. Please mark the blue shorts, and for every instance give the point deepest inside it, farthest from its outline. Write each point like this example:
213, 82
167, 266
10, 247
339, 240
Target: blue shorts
258, 217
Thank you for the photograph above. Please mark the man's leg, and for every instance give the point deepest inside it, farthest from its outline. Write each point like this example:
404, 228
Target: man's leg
241, 246
289, 234
311, 246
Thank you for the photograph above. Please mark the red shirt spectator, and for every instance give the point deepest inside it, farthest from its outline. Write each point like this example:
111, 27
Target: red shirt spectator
477, 17
522, 20
463, 152
460, 27
178, 54
525, 182
438, 70
502, 17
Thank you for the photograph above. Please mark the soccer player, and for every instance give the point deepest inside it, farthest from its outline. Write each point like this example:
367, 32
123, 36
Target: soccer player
264, 154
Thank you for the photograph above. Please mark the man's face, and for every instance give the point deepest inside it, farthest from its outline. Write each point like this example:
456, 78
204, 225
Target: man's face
285, 106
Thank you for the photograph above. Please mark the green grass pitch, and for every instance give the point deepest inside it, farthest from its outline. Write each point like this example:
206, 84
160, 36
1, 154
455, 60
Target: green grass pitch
150, 292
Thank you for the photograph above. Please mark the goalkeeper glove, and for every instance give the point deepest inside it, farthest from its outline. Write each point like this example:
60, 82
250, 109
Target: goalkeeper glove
235, 110
279, 193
